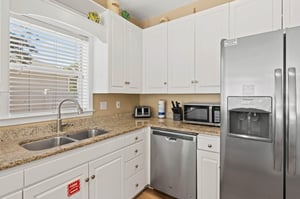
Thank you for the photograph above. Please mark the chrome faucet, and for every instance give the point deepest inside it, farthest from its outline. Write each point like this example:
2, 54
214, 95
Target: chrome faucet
59, 122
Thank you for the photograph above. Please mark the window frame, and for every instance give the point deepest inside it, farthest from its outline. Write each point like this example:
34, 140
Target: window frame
7, 119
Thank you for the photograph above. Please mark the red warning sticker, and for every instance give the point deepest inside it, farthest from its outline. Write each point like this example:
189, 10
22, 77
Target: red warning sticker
73, 187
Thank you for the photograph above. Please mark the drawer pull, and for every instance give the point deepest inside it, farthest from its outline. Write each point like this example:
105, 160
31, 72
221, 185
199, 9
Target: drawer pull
209, 146
136, 151
136, 185
136, 138
93, 177
87, 180
136, 166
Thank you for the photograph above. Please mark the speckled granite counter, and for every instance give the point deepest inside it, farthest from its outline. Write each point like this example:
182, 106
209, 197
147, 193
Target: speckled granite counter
12, 154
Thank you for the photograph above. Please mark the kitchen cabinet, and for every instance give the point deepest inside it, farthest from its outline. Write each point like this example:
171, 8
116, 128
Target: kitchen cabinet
155, 62
125, 56
17, 195
208, 167
211, 27
11, 184
106, 179
248, 17
181, 55
100, 170
71, 184
291, 14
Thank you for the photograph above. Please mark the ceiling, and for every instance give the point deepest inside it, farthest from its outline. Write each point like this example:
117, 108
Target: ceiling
138, 9
145, 9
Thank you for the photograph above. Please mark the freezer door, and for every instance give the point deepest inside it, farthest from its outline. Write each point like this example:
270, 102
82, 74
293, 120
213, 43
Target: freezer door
252, 166
293, 113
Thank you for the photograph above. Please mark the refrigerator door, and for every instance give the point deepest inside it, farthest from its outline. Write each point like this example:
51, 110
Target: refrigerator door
252, 155
293, 113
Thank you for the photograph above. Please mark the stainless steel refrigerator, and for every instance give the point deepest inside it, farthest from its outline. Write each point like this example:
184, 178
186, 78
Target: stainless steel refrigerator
260, 137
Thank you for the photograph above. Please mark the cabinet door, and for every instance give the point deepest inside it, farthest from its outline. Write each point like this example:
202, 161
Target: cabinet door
181, 55
133, 58
117, 42
211, 27
108, 177
155, 59
291, 14
17, 195
248, 17
68, 185
208, 171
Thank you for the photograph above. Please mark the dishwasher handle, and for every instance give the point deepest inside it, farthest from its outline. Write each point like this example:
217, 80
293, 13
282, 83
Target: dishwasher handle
173, 136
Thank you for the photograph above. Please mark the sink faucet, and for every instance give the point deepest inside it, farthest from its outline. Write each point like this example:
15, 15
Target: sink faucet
79, 111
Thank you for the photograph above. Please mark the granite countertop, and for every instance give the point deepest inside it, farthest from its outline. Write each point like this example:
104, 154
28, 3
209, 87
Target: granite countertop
12, 154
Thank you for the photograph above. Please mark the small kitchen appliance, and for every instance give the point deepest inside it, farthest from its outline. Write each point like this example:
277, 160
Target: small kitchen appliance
202, 113
142, 112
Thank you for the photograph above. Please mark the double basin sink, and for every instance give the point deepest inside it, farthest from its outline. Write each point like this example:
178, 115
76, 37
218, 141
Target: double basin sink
62, 140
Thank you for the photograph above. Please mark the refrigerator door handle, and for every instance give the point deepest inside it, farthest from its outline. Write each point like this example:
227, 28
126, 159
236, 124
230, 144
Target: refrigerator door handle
278, 124
292, 121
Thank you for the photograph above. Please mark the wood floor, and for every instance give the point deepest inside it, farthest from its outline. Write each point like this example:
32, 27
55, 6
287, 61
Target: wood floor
152, 194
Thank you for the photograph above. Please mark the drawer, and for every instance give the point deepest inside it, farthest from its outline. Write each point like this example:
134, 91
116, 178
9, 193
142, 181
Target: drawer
135, 165
11, 182
135, 184
135, 136
209, 143
134, 151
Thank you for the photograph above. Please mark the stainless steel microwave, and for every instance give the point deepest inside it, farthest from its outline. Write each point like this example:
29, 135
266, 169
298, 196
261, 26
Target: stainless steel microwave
198, 113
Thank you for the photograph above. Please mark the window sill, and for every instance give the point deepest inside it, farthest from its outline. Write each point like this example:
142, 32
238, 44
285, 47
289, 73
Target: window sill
25, 119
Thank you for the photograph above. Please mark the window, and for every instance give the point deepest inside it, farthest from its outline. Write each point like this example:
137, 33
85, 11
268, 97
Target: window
46, 66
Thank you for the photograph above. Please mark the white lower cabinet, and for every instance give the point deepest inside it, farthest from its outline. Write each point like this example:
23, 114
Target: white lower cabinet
111, 169
208, 167
135, 184
106, 177
135, 172
17, 195
72, 184
11, 184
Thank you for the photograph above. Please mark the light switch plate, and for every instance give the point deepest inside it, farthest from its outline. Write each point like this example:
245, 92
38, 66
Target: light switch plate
118, 104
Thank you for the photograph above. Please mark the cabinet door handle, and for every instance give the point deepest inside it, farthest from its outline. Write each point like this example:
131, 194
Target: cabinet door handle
209, 146
136, 138
136, 166
192, 81
165, 83
93, 177
87, 180
136, 151
136, 185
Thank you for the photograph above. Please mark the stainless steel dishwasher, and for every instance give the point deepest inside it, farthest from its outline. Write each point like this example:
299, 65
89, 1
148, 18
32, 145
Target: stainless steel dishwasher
173, 163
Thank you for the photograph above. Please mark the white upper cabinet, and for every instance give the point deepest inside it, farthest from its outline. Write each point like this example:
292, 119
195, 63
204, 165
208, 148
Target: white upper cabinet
291, 14
125, 55
181, 55
211, 28
248, 17
117, 45
133, 57
155, 62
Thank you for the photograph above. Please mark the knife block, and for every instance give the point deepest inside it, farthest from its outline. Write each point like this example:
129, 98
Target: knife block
177, 116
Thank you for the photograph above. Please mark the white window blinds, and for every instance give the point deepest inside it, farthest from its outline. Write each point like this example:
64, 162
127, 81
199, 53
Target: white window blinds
46, 67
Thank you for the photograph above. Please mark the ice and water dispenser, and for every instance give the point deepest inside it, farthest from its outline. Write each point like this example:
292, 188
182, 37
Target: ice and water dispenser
250, 117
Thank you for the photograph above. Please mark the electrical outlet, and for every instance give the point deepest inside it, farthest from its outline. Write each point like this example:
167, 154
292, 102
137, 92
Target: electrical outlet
118, 104
103, 105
